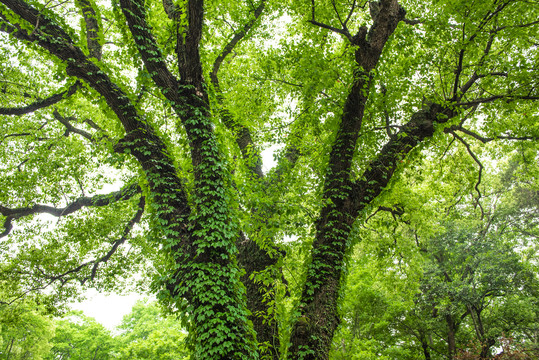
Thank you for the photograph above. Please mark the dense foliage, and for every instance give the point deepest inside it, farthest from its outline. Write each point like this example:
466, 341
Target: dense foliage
145, 333
397, 219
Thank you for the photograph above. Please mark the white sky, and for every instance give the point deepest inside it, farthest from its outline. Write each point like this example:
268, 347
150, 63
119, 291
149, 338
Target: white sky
107, 309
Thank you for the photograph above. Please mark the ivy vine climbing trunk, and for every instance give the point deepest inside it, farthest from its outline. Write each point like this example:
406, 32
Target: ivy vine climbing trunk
200, 239
207, 273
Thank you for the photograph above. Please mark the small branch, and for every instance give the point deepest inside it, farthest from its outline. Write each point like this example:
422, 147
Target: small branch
64, 277
476, 159
350, 14
241, 133
412, 21
493, 98
458, 70
485, 140
386, 113
395, 211
136, 219
339, 16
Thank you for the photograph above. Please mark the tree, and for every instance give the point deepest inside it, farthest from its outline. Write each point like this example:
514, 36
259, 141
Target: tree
147, 334
462, 285
79, 337
181, 97
25, 331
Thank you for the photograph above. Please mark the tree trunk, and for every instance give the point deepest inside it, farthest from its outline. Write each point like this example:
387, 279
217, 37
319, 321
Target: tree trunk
255, 260
451, 332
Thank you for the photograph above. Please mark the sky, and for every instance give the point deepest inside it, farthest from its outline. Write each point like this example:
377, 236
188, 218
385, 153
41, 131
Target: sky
107, 309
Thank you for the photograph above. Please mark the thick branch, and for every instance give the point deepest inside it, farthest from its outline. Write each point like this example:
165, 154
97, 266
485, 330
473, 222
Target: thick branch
321, 291
381, 169
40, 104
84, 201
93, 32
150, 52
189, 64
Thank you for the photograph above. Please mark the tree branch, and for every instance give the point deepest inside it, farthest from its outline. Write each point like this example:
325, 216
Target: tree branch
506, 97
93, 32
344, 31
65, 276
70, 128
97, 200
476, 159
40, 104
150, 52
136, 219
380, 170
485, 140
242, 134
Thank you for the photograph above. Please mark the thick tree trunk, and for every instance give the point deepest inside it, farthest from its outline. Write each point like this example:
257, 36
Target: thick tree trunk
485, 348
424, 345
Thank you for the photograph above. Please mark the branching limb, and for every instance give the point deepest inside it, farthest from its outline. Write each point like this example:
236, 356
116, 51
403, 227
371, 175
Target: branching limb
344, 31
70, 128
84, 201
40, 104
479, 176
395, 211
71, 274
241, 132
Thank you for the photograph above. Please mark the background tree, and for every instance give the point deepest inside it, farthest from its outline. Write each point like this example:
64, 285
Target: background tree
147, 334
455, 279
139, 127
25, 331
79, 337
